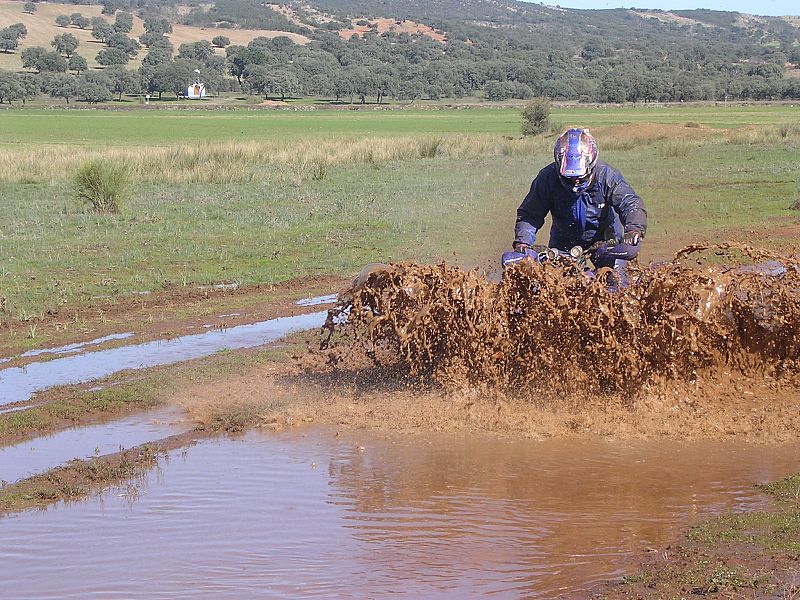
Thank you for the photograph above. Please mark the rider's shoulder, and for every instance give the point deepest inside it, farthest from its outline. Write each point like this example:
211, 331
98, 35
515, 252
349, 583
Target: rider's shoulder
548, 174
605, 172
605, 168
550, 169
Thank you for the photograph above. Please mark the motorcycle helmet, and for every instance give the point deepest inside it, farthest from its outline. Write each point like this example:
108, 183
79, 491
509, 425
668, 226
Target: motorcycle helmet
576, 154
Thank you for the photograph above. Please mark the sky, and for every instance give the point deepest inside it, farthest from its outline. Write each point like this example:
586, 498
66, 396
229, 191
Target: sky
762, 7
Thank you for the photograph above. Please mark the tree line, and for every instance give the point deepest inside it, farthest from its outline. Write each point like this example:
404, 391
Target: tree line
659, 63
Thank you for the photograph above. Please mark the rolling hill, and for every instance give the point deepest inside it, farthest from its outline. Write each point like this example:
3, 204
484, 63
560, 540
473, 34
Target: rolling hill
411, 49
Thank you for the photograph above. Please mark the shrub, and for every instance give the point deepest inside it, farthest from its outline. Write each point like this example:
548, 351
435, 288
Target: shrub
428, 148
103, 185
536, 116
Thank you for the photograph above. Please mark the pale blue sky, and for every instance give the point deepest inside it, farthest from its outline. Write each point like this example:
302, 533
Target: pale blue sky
762, 7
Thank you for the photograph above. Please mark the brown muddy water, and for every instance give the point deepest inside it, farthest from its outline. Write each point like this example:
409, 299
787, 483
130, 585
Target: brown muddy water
306, 514
555, 327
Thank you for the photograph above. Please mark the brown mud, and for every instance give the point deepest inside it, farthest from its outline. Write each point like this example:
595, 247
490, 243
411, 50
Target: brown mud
280, 396
704, 346
664, 359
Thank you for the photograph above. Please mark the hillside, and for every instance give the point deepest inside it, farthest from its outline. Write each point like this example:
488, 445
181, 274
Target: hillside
408, 49
42, 28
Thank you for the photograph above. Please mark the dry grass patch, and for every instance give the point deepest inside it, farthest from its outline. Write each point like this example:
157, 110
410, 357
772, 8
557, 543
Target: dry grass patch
240, 162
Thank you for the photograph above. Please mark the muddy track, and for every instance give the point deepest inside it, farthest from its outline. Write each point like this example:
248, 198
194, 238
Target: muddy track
177, 310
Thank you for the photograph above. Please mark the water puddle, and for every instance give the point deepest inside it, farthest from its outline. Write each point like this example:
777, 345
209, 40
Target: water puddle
20, 383
78, 347
318, 300
41, 454
314, 515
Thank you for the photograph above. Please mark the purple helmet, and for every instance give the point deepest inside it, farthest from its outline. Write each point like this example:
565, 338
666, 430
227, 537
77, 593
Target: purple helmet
576, 154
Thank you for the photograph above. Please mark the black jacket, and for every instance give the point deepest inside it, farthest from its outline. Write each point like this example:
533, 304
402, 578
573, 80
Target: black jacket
609, 206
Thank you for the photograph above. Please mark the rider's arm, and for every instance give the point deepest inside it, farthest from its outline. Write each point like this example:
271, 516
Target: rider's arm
627, 203
532, 211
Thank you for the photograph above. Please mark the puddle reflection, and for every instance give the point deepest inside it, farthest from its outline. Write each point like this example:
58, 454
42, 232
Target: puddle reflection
312, 515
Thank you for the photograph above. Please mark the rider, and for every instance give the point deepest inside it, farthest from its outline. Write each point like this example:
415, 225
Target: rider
589, 202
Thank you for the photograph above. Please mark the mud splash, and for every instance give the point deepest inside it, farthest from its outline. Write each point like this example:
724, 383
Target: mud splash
711, 311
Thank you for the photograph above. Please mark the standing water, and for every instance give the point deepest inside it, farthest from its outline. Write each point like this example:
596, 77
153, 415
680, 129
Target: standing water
18, 384
47, 452
301, 515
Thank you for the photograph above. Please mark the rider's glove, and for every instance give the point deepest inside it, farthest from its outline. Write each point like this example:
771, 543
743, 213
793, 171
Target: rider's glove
520, 247
632, 238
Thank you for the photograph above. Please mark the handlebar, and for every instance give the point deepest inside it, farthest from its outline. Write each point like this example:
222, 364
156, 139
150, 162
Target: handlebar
576, 254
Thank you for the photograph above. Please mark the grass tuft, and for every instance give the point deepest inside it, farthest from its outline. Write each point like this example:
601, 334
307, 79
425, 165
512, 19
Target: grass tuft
787, 488
103, 185
429, 148
675, 149
319, 168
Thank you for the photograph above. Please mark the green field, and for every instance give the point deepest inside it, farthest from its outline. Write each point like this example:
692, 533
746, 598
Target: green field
151, 127
165, 126
420, 185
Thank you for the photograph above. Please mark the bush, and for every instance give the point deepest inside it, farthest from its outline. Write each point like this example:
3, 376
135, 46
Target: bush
220, 41
536, 116
103, 185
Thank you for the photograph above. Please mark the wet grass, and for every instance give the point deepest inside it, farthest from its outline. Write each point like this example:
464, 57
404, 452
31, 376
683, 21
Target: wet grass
750, 555
78, 479
73, 406
777, 529
130, 392
787, 489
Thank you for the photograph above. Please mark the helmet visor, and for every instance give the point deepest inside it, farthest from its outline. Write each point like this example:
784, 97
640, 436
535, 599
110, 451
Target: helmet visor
574, 161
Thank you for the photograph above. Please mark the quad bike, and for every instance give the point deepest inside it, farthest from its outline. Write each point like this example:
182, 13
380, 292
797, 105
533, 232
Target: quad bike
585, 258
604, 259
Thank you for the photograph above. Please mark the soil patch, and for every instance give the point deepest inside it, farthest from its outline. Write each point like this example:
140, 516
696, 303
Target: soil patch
382, 25
279, 396
651, 132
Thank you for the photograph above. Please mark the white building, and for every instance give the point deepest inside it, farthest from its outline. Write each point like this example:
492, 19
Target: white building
197, 90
